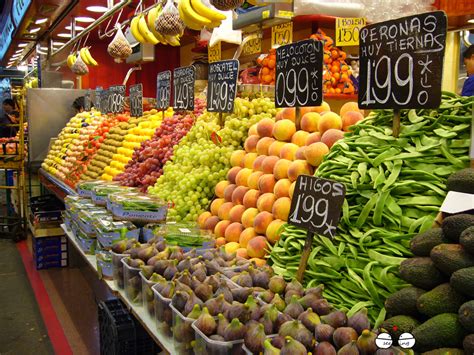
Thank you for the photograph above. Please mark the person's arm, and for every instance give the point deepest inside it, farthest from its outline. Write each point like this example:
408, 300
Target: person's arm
14, 117
468, 87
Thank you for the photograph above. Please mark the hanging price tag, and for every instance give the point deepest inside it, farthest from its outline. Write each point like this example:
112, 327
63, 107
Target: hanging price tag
87, 100
97, 98
104, 101
184, 79
401, 62
136, 100
282, 34
214, 53
299, 74
222, 85
254, 45
116, 98
347, 31
163, 90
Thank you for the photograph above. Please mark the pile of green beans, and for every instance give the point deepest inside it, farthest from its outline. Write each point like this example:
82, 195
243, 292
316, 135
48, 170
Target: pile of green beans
395, 187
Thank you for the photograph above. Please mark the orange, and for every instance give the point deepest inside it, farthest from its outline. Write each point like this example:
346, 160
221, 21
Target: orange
265, 71
335, 68
271, 63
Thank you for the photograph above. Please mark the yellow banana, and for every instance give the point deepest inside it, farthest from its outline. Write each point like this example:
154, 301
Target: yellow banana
172, 40
91, 60
193, 15
135, 32
145, 32
71, 59
151, 19
187, 21
83, 55
214, 24
205, 9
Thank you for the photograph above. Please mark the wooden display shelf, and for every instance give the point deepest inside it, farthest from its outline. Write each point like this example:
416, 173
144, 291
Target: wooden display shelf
140, 313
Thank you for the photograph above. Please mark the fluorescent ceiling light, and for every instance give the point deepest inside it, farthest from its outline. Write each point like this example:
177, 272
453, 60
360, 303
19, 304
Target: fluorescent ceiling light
64, 35
34, 30
19, 51
471, 20
44, 48
41, 52
78, 28
22, 45
58, 43
84, 19
97, 8
41, 21
16, 55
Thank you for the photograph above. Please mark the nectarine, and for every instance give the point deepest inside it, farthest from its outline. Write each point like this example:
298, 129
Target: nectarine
299, 138
268, 164
250, 144
220, 187
228, 191
266, 183
232, 174
236, 212
328, 121
252, 181
243, 176
238, 195
219, 230
310, 122
249, 159
224, 210
257, 247
274, 231
299, 167
237, 158
331, 136
283, 130
281, 208
250, 198
280, 170
263, 145
288, 151
282, 188
261, 222
265, 127
216, 204
315, 153
265, 202
248, 217
232, 232
246, 235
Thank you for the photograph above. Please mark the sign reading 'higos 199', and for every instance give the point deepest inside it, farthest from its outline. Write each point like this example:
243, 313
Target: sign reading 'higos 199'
401, 62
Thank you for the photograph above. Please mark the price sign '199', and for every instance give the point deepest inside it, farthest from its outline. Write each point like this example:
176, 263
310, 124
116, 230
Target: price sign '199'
163, 90
184, 79
299, 74
222, 85
116, 98
401, 62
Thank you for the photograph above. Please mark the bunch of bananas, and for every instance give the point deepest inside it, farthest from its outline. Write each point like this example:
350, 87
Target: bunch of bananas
197, 14
85, 56
143, 29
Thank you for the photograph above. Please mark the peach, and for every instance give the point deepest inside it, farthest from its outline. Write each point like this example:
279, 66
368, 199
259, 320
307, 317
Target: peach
257, 247
299, 167
275, 148
299, 138
328, 121
211, 223
243, 176
231, 248
263, 145
280, 170
229, 190
310, 122
250, 144
257, 164
253, 130
220, 241
236, 212
202, 218
265, 127
216, 204
248, 217
323, 108
265, 202
220, 188
350, 118
249, 159
292, 189
242, 253
313, 138
305, 110
232, 174
268, 164
246, 235
232, 232
288, 113
331, 136
237, 158
281, 208
250, 198
266, 183
219, 230
283, 130
288, 151
282, 188
349, 106
238, 195
261, 222
315, 153
274, 231
224, 210
299, 155
252, 181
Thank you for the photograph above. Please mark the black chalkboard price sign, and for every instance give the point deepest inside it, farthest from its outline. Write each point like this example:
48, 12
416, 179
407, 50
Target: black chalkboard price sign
316, 206
222, 85
116, 98
87, 101
299, 74
104, 101
136, 100
163, 90
97, 98
401, 62
183, 81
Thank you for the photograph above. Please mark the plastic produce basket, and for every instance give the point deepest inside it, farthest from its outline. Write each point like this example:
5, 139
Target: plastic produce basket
117, 269
183, 333
132, 283
147, 295
104, 264
206, 346
163, 314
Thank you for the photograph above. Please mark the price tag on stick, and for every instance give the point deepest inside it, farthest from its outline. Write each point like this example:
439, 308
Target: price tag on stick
87, 101
136, 100
316, 206
347, 31
222, 85
282, 34
116, 98
163, 90
183, 82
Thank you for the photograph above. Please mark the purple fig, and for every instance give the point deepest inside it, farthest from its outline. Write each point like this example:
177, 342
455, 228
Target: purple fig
317, 291
349, 349
343, 336
359, 321
203, 291
195, 312
240, 294
212, 267
176, 254
269, 349
297, 331
215, 305
237, 310
268, 325
278, 341
170, 271
266, 296
200, 273
281, 319
222, 323
184, 264
271, 313
292, 293
161, 265
293, 347
278, 302
184, 278
309, 319
225, 290
309, 301
206, 322
168, 290
324, 348
179, 300
277, 284
294, 309
235, 330
244, 279
214, 281
323, 332
335, 319
192, 300
294, 285
253, 308
182, 287
366, 342
261, 279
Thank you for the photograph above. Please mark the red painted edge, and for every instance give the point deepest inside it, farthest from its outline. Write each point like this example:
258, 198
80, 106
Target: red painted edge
53, 326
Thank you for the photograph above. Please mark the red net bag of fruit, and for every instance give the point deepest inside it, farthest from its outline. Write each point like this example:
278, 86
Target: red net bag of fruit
119, 48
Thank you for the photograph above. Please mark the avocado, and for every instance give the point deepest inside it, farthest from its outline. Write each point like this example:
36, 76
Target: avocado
421, 272
463, 281
461, 181
441, 331
466, 316
403, 302
467, 239
468, 344
422, 243
393, 350
441, 299
451, 257
398, 325
454, 225
445, 351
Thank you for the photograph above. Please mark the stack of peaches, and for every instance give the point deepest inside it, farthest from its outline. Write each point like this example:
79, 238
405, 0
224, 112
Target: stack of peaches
253, 204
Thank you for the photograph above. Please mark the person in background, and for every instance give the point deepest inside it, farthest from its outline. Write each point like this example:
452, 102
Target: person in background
10, 116
78, 104
468, 88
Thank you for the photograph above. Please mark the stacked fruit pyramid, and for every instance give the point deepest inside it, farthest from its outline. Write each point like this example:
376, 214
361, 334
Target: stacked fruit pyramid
145, 129
438, 309
69, 145
254, 202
